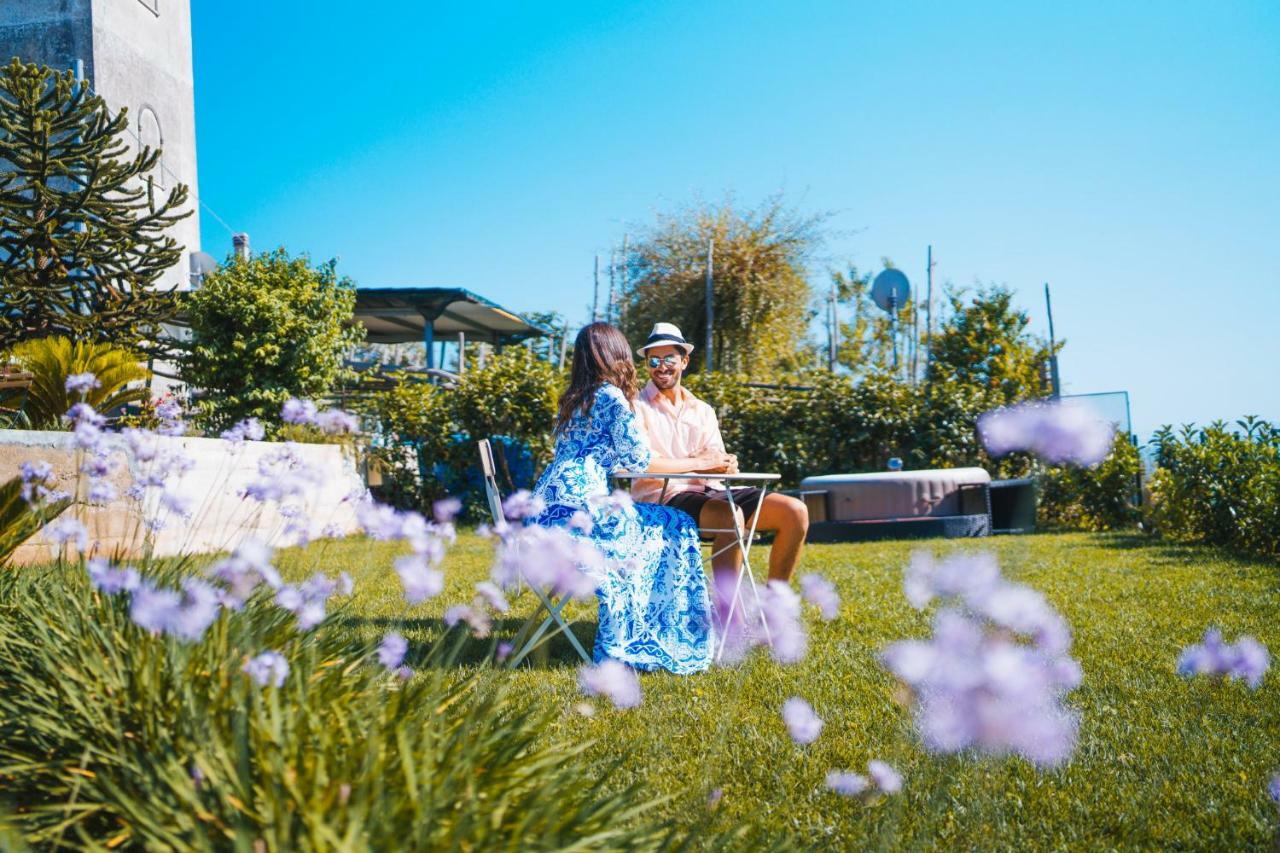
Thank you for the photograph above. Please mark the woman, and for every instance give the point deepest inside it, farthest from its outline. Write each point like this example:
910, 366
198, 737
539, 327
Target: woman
654, 608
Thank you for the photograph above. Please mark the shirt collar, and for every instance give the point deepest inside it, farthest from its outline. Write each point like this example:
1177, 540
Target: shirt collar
654, 397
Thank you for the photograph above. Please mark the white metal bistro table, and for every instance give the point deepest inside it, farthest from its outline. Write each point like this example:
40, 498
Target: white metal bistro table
762, 482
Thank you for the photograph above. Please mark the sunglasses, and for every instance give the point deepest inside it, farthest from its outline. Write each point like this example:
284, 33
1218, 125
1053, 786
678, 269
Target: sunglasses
655, 362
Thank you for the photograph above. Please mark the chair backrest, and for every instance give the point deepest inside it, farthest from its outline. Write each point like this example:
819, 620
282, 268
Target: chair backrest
490, 481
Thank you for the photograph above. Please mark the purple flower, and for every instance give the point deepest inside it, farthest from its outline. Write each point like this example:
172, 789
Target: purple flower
83, 413
142, 444
101, 492
1246, 660
581, 521
802, 723
847, 784
248, 429
612, 679
154, 609
297, 411
82, 383
521, 505
109, 580
993, 675
200, 606
1273, 789
781, 608
268, 668
503, 651
36, 479
446, 510
489, 593
420, 581
66, 530
1059, 433
885, 777
548, 558
346, 585
477, 620
337, 422
392, 649
618, 501
819, 591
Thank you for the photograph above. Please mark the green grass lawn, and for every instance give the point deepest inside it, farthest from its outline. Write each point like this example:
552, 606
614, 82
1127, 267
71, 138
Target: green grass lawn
1161, 761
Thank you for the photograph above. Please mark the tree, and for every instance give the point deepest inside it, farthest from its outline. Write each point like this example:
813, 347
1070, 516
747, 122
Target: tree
985, 343
264, 330
82, 231
760, 292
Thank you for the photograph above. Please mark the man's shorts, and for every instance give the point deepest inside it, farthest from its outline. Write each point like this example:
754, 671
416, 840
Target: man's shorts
745, 498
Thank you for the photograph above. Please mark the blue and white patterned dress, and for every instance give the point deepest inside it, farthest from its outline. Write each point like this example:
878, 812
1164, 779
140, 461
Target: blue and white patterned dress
654, 608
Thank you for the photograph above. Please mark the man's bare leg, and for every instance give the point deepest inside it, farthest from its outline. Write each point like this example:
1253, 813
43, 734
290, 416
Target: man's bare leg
788, 518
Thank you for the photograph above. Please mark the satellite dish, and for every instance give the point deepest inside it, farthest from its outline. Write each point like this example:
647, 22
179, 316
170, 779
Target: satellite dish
202, 263
891, 290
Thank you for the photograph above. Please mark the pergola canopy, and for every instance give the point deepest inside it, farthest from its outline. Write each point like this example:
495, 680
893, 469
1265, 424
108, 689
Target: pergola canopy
397, 315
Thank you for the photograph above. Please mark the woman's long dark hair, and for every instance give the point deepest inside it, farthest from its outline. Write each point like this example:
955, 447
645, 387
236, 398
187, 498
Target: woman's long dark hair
600, 354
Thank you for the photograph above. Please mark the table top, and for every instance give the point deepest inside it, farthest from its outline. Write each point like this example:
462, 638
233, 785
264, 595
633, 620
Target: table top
742, 475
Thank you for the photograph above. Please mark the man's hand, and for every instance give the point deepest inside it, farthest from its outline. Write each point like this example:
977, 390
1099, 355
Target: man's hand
715, 462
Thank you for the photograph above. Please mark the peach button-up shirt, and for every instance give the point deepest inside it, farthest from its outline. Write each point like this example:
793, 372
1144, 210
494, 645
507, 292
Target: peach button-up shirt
687, 428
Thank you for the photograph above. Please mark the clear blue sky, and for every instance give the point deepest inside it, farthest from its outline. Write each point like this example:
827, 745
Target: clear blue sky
1127, 153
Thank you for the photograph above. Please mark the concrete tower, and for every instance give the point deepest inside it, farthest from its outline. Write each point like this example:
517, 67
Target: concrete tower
135, 54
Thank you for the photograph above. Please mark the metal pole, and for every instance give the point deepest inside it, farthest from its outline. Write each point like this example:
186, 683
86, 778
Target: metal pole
595, 292
711, 250
462, 353
613, 262
833, 328
893, 328
428, 338
564, 344
623, 277
1053, 355
928, 311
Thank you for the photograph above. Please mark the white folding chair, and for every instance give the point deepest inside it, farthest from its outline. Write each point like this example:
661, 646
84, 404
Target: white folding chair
553, 607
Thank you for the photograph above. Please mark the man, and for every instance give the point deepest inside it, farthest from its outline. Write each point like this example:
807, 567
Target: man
684, 436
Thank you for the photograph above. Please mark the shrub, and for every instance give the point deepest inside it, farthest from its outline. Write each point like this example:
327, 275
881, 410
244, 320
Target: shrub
264, 330
110, 735
428, 433
51, 360
1219, 486
1098, 498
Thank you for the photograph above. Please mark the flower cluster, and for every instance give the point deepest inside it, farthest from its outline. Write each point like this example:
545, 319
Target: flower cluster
803, 724
993, 675
268, 668
391, 652
37, 478
418, 571
612, 679
1059, 433
329, 421
552, 558
249, 429
1246, 659
820, 592
880, 779
775, 621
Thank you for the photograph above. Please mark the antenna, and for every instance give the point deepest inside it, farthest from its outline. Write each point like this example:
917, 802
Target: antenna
890, 291
202, 263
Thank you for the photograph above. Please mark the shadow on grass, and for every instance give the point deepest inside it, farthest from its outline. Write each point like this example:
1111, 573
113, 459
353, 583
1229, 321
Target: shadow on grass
1182, 552
556, 653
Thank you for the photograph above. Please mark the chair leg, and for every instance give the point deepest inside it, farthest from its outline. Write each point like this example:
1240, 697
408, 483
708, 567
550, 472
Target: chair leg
553, 615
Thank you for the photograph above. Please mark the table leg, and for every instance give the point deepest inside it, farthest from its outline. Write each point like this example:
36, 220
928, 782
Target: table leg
745, 548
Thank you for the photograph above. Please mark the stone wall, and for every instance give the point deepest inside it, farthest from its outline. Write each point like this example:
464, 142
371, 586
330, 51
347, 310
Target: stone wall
221, 516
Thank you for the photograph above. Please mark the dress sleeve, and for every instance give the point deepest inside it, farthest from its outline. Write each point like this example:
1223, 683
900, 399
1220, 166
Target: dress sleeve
619, 425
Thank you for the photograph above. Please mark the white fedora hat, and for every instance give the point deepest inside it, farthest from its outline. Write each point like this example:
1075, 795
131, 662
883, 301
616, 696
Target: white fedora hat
666, 335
